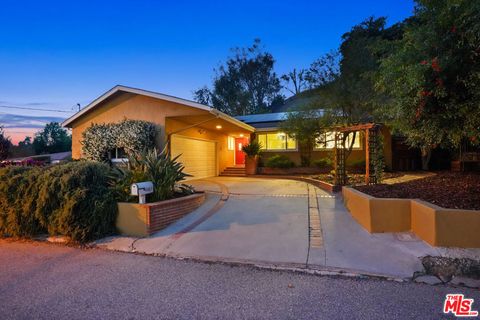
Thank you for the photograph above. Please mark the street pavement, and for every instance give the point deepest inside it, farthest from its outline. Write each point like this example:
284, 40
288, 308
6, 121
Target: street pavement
46, 281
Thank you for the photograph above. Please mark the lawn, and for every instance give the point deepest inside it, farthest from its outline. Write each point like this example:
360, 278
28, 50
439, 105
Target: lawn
446, 189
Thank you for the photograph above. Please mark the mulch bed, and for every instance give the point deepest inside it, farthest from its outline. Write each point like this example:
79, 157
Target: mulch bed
354, 178
453, 190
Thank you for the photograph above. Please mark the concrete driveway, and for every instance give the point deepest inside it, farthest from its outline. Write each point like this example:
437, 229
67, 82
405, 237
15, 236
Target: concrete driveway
279, 222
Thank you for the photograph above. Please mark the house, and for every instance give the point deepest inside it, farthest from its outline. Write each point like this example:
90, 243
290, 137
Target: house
207, 140
275, 142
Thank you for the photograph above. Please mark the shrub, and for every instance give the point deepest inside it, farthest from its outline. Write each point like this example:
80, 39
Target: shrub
279, 161
323, 163
132, 135
254, 148
158, 167
72, 200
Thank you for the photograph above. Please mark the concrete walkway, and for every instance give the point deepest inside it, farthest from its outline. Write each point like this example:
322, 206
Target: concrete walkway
278, 222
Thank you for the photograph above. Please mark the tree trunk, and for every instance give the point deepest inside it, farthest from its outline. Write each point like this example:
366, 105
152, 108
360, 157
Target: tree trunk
426, 155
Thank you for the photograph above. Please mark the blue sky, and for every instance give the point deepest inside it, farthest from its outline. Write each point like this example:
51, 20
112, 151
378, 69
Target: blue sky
55, 54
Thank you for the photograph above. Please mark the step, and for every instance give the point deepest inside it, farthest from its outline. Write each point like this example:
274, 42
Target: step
232, 174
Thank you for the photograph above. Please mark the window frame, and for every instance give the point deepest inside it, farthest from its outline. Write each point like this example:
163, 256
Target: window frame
265, 149
359, 135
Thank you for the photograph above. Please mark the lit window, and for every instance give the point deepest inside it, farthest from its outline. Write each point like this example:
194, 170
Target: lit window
327, 141
276, 141
231, 143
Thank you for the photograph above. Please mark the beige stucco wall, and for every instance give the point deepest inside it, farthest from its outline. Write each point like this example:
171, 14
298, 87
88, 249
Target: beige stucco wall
129, 106
435, 225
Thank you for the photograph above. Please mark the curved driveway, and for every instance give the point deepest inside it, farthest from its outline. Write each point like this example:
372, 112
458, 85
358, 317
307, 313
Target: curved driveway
279, 222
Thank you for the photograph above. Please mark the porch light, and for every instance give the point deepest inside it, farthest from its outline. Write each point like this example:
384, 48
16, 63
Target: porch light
241, 135
218, 126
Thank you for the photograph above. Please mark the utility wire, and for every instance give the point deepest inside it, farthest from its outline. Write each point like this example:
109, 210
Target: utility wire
36, 109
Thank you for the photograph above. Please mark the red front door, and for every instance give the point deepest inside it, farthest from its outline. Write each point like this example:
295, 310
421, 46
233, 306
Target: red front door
239, 155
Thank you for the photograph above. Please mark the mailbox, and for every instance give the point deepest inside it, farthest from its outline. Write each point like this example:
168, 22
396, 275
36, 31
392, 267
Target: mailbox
141, 189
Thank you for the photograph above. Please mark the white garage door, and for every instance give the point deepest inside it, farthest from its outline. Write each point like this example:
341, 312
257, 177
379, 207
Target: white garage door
198, 156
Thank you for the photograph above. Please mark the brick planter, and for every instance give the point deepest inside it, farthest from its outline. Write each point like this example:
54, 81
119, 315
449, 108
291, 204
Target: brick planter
141, 220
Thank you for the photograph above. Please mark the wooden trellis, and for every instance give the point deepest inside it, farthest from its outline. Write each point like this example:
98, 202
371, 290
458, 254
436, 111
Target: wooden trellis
371, 132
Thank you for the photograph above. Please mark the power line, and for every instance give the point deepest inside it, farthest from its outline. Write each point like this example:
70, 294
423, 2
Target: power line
36, 109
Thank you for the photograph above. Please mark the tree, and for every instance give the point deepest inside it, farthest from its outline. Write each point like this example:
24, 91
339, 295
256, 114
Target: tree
305, 126
297, 79
23, 149
433, 76
245, 84
5, 145
53, 138
323, 71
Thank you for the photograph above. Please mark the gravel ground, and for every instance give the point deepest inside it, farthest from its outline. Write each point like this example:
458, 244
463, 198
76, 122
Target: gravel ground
44, 281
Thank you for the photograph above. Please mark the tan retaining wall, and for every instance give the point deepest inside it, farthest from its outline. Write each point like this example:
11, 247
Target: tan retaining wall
142, 220
436, 225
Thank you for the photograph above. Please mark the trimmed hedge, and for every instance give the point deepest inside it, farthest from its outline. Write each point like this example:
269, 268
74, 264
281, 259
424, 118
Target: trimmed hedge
279, 161
72, 200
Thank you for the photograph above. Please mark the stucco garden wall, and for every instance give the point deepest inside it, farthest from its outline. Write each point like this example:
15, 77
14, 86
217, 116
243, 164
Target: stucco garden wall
435, 225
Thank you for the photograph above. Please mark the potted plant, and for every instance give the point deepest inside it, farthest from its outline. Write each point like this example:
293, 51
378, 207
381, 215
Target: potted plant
252, 150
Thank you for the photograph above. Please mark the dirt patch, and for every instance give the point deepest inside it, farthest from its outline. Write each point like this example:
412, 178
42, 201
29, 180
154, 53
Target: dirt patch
451, 267
354, 179
452, 190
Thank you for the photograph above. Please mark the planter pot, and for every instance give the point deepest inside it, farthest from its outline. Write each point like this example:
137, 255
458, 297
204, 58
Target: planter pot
251, 164
141, 220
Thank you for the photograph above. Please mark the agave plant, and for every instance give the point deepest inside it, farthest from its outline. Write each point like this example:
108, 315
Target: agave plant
166, 174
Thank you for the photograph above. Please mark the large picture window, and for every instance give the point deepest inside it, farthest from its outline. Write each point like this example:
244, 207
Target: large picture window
276, 141
327, 141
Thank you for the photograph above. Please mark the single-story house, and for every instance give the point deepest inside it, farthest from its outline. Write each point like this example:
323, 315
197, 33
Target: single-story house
208, 140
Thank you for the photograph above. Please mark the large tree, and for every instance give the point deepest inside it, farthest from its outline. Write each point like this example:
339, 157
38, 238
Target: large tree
5, 144
245, 84
53, 138
433, 76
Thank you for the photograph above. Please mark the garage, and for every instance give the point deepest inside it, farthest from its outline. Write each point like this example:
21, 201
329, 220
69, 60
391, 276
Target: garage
198, 156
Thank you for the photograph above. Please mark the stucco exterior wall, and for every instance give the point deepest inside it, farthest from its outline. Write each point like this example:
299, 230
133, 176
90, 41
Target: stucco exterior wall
129, 106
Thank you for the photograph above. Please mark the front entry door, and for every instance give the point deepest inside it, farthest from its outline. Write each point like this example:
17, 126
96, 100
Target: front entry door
239, 155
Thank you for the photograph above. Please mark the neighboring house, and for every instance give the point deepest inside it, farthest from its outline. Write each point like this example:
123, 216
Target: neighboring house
53, 158
274, 141
208, 141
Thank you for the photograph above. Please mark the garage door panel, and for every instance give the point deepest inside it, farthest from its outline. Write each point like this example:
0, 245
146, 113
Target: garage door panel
198, 156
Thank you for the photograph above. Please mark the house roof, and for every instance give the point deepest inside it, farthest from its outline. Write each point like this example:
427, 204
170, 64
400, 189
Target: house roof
264, 117
156, 95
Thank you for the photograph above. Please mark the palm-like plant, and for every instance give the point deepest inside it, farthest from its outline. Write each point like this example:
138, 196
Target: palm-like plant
159, 168
253, 149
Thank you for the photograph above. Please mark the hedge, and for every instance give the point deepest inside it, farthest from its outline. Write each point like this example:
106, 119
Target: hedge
72, 200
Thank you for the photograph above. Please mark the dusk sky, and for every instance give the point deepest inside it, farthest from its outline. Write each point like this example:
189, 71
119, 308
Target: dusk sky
55, 54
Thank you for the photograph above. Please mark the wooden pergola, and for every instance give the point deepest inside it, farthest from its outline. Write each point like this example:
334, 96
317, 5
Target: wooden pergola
371, 132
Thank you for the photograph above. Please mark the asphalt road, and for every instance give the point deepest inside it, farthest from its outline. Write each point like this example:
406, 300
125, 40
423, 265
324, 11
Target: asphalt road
44, 281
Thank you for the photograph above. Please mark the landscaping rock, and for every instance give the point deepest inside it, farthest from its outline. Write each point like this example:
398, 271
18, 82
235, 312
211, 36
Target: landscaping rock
467, 282
446, 268
431, 280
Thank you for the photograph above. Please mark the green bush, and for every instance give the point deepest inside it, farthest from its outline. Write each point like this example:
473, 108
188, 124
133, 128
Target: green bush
254, 148
323, 163
279, 161
72, 200
133, 136
157, 167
